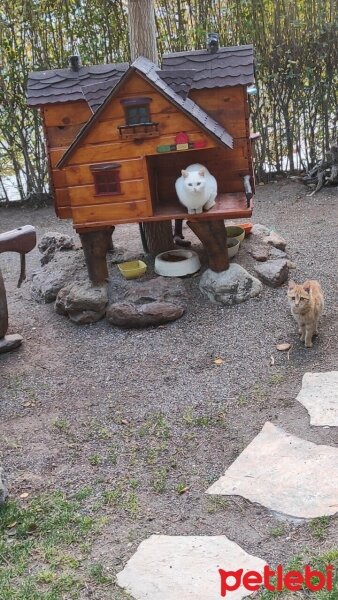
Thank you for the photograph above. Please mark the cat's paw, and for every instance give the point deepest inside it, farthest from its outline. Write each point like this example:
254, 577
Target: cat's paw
198, 211
308, 344
209, 204
191, 211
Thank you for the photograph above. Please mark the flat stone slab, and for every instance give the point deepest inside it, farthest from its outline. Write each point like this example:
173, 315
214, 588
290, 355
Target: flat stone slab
319, 395
185, 568
285, 474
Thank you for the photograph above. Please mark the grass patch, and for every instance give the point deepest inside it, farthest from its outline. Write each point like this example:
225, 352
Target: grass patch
40, 547
316, 562
319, 526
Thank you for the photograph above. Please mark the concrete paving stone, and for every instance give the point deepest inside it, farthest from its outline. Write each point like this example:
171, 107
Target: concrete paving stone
319, 395
284, 473
185, 568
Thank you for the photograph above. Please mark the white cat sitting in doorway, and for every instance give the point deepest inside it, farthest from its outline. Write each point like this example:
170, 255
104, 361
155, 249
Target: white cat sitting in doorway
196, 189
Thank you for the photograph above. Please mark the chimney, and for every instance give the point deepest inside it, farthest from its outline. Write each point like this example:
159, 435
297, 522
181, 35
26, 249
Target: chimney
74, 62
212, 42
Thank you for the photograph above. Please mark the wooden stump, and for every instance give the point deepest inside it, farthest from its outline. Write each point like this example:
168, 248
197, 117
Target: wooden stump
3, 308
95, 246
213, 236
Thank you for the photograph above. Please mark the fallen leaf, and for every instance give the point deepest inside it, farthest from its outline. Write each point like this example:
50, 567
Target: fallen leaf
11, 525
272, 361
124, 422
283, 347
183, 490
26, 404
24, 495
218, 361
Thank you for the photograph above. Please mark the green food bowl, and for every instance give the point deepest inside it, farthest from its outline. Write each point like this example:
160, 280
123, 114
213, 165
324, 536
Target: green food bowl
235, 232
132, 269
233, 246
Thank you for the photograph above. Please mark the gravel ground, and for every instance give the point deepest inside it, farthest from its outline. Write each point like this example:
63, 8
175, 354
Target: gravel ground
152, 406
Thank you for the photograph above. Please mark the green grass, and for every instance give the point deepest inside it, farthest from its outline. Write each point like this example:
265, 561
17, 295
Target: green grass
316, 562
40, 547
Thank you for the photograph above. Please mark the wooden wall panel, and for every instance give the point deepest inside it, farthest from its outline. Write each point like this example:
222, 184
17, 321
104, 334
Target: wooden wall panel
62, 135
110, 213
70, 113
226, 106
92, 153
84, 195
82, 174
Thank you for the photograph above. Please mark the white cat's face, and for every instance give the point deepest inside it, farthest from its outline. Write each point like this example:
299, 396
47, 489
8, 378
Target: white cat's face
194, 181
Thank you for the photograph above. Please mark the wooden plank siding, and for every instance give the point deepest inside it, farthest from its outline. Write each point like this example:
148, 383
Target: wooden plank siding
61, 124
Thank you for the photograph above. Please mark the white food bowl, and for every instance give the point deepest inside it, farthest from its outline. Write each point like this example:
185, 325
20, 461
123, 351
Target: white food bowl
177, 263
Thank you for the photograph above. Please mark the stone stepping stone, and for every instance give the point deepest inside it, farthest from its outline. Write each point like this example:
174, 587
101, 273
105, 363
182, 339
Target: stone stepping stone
285, 474
185, 567
319, 395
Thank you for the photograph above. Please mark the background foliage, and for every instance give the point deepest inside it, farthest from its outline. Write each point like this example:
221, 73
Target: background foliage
296, 106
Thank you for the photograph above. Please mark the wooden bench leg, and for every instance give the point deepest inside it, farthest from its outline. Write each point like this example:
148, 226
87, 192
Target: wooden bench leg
95, 246
213, 236
3, 308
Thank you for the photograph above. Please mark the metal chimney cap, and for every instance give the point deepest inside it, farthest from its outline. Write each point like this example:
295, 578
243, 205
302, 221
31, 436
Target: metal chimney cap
212, 42
74, 62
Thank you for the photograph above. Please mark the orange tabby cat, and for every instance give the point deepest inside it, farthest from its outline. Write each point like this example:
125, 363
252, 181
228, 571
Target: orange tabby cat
307, 302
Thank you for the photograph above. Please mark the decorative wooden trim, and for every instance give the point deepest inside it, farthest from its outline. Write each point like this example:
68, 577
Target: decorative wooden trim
104, 166
135, 101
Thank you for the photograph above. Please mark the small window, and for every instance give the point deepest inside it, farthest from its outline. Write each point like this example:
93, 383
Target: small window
106, 179
137, 114
137, 110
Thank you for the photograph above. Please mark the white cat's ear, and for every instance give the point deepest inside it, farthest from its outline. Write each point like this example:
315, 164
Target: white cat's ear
184, 173
291, 284
201, 172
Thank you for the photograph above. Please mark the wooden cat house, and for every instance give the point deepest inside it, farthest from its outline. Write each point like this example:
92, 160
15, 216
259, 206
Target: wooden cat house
118, 136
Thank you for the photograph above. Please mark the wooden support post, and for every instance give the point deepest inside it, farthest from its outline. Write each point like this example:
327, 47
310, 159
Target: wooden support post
3, 309
95, 246
213, 236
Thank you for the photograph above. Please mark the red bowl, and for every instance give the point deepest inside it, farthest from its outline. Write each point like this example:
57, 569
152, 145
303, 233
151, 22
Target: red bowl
247, 227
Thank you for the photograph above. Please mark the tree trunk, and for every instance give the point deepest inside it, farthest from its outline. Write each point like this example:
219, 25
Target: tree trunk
142, 37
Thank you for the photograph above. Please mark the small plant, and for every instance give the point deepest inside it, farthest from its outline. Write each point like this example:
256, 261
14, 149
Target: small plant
132, 505
319, 527
83, 493
96, 573
95, 460
112, 457
277, 531
216, 504
242, 401
181, 488
160, 481
61, 424
113, 497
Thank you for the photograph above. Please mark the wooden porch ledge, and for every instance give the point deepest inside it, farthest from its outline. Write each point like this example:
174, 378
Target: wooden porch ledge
228, 206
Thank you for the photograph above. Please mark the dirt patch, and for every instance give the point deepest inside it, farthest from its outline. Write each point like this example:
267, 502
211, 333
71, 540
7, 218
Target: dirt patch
146, 414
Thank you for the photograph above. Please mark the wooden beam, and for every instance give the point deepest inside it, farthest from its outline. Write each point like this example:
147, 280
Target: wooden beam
213, 236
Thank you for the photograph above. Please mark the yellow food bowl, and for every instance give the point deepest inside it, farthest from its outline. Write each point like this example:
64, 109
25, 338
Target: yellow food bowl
132, 269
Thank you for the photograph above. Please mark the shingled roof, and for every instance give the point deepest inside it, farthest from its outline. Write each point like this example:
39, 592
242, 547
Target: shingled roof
233, 65
150, 72
65, 85
197, 69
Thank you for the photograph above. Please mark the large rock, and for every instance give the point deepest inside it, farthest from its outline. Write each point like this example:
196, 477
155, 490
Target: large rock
82, 302
52, 242
260, 230
275, 253
259, 252
10, 342
276, 240
154, 302
161, 289
128, 314
3, 486
233, 286
273, 272
65, 267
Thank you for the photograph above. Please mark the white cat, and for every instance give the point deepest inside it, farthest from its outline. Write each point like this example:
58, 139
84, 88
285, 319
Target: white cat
196, 189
